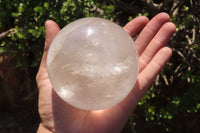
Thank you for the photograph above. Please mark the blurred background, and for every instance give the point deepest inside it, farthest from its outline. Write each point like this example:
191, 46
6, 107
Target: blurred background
172, 103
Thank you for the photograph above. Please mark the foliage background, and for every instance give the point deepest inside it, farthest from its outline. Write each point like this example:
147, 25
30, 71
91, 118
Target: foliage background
172, 103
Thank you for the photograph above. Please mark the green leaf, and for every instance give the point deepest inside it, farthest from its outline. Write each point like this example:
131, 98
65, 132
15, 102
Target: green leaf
16, 15
111, 7
38, 9
46, 5
185, 8
21, 7
198, 106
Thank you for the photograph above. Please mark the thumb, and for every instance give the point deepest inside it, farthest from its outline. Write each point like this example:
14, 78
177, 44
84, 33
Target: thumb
52, 30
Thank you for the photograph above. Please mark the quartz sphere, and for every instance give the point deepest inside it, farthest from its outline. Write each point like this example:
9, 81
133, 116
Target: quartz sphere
92, 63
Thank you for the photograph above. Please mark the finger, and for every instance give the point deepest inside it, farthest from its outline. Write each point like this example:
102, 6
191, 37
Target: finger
146, 77
136, 25
159, 41
51, 31
150, 30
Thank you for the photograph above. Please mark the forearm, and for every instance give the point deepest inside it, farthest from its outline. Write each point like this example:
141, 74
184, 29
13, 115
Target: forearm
42, 129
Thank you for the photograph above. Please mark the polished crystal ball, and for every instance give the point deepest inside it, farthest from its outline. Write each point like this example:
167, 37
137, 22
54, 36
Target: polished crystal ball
92, 64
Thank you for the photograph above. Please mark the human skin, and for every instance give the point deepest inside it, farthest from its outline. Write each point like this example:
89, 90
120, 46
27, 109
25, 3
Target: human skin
60, 117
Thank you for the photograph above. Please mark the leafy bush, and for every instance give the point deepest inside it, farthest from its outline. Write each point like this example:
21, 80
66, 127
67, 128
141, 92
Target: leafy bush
27, 18
172, 102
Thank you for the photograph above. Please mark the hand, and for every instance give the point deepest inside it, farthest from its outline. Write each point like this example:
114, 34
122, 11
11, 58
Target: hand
58, 116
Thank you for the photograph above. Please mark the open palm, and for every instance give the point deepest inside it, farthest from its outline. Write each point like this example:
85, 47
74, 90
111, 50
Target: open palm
58, 116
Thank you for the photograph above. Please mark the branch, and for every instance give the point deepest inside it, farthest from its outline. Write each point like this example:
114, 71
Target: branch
165, 80
4, 34
191, 40
151, 5
175, 8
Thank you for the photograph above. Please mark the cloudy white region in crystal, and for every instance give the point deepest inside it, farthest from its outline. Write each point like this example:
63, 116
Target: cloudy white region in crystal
92, 64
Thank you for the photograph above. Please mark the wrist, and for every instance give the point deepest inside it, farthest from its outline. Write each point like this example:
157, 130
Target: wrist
42, 129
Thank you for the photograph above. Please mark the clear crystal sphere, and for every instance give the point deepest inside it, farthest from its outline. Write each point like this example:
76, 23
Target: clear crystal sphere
92, 63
